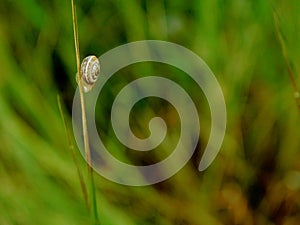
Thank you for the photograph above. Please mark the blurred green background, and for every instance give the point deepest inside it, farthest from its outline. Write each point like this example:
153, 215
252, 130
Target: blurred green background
255, 179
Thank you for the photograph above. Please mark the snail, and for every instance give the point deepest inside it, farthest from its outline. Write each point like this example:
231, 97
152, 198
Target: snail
90, 70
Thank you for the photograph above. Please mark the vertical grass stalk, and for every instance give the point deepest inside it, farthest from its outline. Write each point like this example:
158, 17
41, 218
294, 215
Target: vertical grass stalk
92, 193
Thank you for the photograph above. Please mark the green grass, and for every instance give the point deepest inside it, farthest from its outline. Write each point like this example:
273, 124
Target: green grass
253, 180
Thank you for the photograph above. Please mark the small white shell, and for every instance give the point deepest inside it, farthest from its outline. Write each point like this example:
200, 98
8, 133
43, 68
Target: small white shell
90, 70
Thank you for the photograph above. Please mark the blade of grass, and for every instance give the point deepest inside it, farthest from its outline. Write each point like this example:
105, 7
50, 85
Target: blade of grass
71, 147
93, 201
286, 58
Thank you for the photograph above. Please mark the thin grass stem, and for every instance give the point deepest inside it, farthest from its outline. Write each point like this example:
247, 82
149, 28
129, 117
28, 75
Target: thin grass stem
71, 148
92, 195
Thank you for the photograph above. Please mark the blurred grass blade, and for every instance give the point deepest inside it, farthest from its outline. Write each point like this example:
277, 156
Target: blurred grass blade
71, 147
286, 58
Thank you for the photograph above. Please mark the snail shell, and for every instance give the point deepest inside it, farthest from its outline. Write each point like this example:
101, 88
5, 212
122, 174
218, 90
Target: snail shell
90, 70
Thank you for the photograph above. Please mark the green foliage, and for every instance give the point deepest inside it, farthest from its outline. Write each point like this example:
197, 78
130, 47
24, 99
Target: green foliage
254, 180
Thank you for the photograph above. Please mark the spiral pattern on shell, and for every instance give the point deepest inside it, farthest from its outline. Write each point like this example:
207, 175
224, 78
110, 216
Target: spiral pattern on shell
90, 69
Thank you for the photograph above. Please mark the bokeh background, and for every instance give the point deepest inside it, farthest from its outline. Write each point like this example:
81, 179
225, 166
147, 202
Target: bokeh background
255, 179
